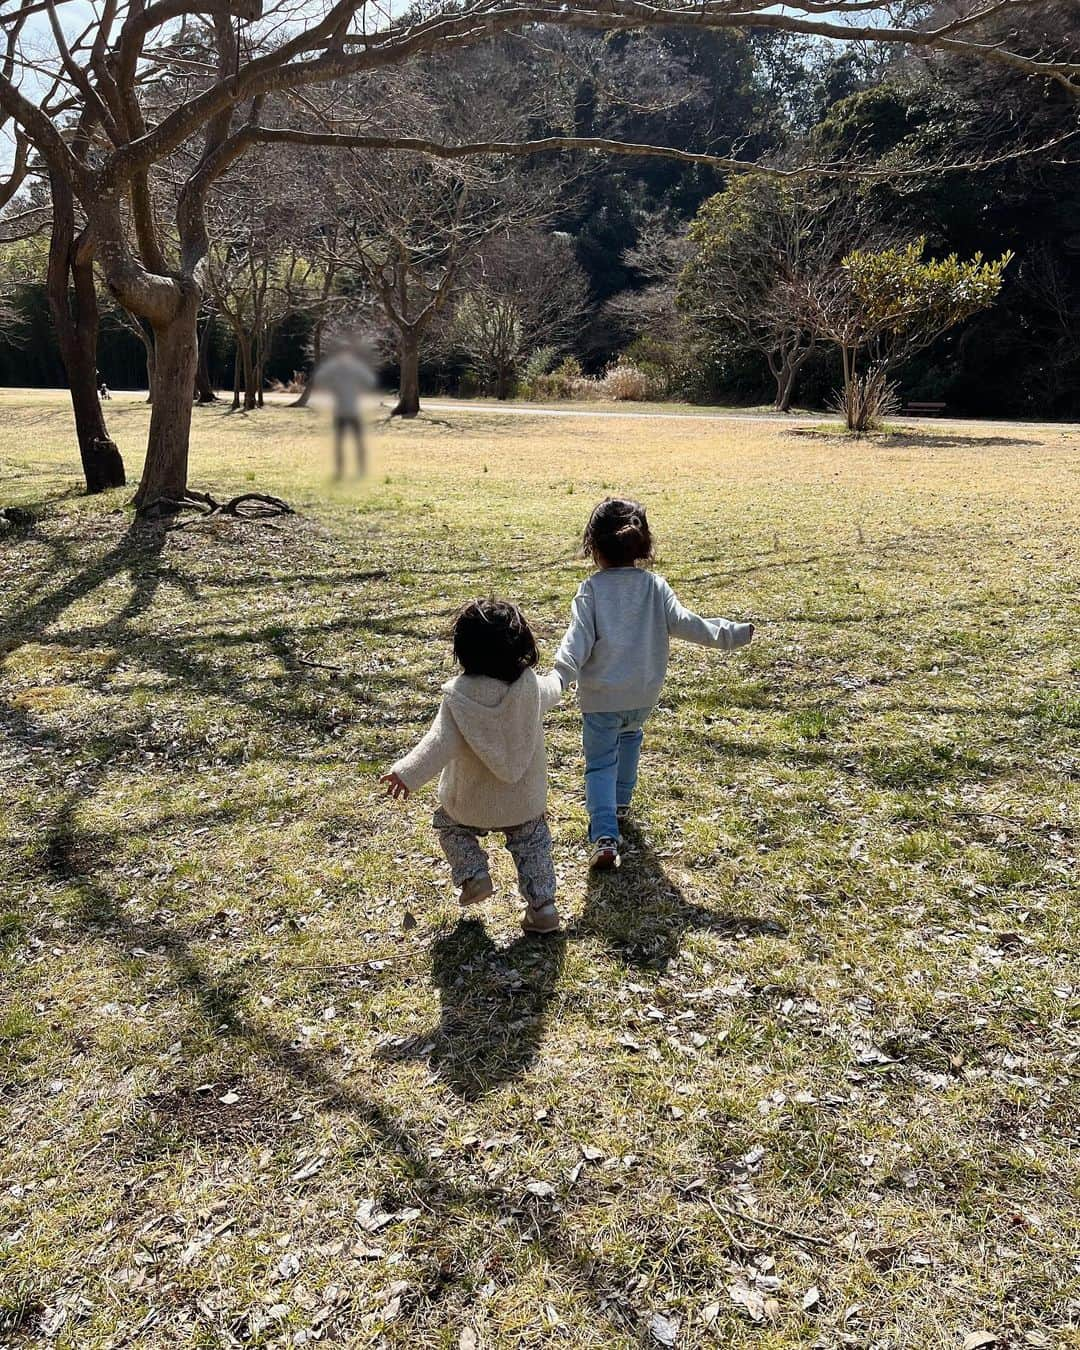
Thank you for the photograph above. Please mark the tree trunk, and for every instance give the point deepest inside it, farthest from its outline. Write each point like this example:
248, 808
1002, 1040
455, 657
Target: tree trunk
785, 382
204, 385
73, 306
408, 404
849, 388
176, 343
316, 357
504, 382
249, 375
102, 465
236, 377
258, 360
151, 364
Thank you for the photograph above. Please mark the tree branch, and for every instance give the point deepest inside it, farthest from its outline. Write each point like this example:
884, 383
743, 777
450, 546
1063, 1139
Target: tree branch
277, 70
600, 144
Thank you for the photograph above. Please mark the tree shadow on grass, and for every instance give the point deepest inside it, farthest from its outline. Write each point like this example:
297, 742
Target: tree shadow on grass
494, 1008
528, 968
133, 553
943, 440
495, 1003
643, 916
300, 700
100, 914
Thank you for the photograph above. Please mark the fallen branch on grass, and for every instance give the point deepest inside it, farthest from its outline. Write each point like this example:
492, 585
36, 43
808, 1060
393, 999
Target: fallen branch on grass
319, 665
720, 1210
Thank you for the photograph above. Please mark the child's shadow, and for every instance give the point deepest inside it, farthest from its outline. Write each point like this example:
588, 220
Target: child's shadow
494, 1007
643, 916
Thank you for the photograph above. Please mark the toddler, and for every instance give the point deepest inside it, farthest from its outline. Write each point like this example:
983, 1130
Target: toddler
616, 648
487, 745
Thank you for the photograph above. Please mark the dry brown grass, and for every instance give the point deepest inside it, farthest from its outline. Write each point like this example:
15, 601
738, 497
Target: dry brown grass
819, 1033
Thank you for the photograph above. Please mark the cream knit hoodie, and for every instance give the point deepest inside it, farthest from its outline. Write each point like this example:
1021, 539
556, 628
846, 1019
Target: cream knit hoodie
487, 743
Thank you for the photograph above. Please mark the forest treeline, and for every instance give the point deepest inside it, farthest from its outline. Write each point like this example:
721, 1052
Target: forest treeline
584, 269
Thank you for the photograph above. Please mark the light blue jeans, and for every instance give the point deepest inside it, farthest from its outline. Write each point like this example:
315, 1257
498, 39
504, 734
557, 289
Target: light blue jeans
612, 742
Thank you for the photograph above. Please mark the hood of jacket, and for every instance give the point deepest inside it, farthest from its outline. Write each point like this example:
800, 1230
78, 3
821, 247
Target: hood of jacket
502, 723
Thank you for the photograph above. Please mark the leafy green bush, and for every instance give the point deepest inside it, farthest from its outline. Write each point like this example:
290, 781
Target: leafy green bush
563, 382
539, 363
667, 364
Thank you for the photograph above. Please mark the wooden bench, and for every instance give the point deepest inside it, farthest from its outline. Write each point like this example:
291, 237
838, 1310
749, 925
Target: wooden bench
924, 409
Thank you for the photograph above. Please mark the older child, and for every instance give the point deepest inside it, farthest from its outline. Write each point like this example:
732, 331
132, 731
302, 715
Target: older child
487, 745
616, 648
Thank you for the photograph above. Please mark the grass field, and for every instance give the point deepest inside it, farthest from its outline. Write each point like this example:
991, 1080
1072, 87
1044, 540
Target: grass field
804, 1072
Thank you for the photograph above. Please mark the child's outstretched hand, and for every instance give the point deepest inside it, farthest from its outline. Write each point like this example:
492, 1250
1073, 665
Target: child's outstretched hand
395, 786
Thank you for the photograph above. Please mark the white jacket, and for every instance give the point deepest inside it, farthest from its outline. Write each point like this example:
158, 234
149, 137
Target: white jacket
487, 744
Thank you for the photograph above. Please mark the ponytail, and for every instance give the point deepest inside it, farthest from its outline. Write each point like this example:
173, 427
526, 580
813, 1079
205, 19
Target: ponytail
618, 533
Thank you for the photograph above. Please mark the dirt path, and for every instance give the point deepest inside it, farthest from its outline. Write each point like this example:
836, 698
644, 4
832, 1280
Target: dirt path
778, 419
534, 410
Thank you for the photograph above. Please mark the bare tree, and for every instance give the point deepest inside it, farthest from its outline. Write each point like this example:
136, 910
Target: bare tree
204, 385
325, 303
413, 226
524, 290
648, 316
658, 259
1051, 291
99, 145
264, 263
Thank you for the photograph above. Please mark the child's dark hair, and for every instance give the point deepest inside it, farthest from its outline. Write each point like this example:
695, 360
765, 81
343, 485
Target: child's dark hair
493, 637
618, 533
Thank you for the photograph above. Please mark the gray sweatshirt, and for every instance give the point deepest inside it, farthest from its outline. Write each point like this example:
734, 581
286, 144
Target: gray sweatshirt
617, 644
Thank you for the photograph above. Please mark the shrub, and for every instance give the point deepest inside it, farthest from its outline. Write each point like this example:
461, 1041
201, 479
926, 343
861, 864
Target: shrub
295, 385
584, 388
867, 400
561, 383
627, 383
623, 382
539, 364
669, 365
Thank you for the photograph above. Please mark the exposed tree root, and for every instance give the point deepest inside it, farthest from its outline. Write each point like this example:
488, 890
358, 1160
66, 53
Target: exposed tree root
248, 506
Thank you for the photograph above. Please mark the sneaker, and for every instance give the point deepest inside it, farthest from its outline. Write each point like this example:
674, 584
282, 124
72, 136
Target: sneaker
540, 918
605, 855
475, 889
622, 814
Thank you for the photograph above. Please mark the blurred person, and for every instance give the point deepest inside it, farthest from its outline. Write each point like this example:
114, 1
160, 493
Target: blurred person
345, 375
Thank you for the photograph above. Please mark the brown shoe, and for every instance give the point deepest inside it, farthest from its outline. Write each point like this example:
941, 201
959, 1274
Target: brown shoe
541, 918
476, 889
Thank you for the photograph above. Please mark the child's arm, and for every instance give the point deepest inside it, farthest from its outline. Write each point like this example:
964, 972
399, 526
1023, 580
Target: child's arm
579, 638
551, 691
722, 633
427, 759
